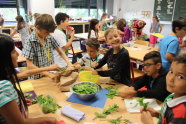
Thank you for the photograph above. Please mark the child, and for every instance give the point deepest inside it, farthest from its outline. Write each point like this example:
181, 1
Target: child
62, 39
169, 45
155, 28
13, 106
92, 46
93, 29
103, 22
38, 48
154, 80
22, 28
117, 59
124, 30
174, 108
138, 27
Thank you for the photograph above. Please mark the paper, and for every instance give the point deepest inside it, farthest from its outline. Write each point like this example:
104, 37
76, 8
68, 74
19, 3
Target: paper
26, 86
133, 106
73, 113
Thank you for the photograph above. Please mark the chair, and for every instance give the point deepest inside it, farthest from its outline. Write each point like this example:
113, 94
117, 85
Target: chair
75, 53
141, 42
135, 73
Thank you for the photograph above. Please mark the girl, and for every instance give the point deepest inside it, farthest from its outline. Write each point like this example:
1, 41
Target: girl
117, 59
13, 106
93, 29
124, 30
22, 28
138, 27
155, 28
103, 23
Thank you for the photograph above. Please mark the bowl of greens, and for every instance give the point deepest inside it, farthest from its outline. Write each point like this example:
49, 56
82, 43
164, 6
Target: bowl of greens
85, 90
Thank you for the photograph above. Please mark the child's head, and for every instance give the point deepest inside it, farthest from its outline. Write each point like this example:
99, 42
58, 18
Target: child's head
104, 16
36, 15
94, 24
113, 37
1, 21
62, 20
152, 63
44, 25
121, 23
179, 27
19, 19
155, 19
176, 77
92, 46
20, 22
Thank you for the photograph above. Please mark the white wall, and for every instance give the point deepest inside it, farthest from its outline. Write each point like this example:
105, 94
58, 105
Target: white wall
130, 9
42, 6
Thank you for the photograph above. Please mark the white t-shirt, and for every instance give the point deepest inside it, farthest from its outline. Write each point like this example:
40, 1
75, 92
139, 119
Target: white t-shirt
92, 34
60, 37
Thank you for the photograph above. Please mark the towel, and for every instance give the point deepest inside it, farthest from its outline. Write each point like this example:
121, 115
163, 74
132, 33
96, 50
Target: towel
73, 113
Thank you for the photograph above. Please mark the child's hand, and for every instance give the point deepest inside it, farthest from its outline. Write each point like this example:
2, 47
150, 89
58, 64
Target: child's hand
77, 66
94, 64
153, 112
28, 102
146, 117
127, 92
54, 67
71, 67
48, 120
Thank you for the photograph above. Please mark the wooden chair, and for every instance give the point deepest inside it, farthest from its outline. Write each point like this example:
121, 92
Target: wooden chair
135, 73
141, 42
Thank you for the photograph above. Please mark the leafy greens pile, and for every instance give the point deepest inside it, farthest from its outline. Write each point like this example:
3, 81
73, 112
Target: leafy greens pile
47, 103
85, 88
112, 92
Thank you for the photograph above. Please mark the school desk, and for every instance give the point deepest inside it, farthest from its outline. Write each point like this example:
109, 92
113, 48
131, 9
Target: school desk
48, 87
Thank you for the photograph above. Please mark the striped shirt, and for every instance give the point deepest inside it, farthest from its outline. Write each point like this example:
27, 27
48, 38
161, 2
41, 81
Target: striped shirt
37, 53
7, 94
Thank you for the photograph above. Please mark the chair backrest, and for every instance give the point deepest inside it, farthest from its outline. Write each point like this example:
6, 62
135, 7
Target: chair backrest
141, 42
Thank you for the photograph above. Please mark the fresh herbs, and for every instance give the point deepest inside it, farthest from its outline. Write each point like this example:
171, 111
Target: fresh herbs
63, 68
47, 103
141, 102
28, 95
119, 120
108, 111
85, 88
82, 69
112, 92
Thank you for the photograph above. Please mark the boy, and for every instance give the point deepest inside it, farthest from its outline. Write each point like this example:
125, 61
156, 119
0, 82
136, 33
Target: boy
62, 39
169, 46
154, 80
38, 48
117, 59
174, 108
92, 56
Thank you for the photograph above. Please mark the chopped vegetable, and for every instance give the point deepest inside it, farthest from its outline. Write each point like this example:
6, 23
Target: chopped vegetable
47, 104
82, 69
141, 102
107, 111
115, 121
63, 68
33, 101
85, 88
28, 95
112, 92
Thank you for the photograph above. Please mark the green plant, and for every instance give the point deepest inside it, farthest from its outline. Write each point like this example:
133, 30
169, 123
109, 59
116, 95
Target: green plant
29, 15
141, 102
112, 92
85, 88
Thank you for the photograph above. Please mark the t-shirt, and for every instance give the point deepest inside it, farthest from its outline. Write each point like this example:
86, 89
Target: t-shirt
24, 33
87, 60
169, 44
155, 28
173, 111
60, 37
7, 94
93, 34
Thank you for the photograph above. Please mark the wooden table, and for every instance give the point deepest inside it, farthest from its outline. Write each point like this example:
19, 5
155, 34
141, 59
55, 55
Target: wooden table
137, 51
47, 86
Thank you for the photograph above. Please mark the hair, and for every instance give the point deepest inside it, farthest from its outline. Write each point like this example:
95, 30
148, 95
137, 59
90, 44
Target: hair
110, 30
121, 23
154, 55
61, 17
7, 69
93, 43
156, 18
20, 22
45, 22
1, 21
93, 23
180, 23
36, 15
181, 58
104, 14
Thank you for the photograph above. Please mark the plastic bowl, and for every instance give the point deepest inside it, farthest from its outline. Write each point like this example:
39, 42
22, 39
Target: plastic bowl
88, 76
86, 97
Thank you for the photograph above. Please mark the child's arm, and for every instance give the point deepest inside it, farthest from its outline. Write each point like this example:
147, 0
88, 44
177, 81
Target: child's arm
63, 55
12, 115
13, 32
31, 72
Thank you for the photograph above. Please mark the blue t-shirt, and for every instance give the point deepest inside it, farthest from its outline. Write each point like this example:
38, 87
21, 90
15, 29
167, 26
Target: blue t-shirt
169, 44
